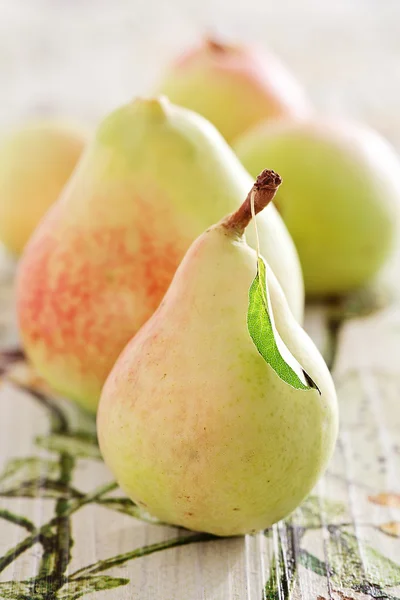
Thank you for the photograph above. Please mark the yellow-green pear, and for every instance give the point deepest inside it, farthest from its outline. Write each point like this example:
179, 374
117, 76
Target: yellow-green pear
153, 177
36, 161
197, 424
235, 86
341, 196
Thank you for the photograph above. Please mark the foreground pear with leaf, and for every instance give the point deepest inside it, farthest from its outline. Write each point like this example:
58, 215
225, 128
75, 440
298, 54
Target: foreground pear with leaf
154, 177
207, 419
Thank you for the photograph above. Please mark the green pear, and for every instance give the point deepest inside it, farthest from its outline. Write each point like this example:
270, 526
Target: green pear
36, 161
340, 200
98, 265
234, 86
194, 423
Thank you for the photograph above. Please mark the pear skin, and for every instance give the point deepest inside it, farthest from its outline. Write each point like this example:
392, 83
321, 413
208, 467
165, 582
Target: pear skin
234, 86
36, 162
195, 425
99, 264
341, 199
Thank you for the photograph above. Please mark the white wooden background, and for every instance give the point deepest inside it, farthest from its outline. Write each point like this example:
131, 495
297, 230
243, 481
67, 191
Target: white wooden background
67, 536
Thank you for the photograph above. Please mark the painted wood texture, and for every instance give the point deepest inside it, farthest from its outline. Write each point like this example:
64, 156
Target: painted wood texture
66, 531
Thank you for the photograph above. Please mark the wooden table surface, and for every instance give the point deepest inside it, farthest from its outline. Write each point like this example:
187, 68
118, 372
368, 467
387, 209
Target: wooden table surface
66, 531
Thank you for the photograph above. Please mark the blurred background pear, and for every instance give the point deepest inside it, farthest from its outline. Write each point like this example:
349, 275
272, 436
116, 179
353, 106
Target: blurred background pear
340, 200
36, 161
234, 86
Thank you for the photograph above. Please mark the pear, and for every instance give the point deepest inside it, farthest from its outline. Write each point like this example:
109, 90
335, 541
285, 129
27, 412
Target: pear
97, 267
36, 161
341, 196
195, 424
234, 86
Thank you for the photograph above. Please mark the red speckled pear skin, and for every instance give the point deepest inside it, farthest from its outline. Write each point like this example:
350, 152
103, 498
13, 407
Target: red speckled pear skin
83, 292
153, 178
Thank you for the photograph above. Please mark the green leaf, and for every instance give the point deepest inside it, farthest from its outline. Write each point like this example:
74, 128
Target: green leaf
76, 588
28, 468
283, 567
122, 559
312, 563
20, 470
38, 588
75, 446
18, 590
127, 507
32, 477
316, 511
271, 591
354, 563
45, 488
20, 520
279, 585
261, 326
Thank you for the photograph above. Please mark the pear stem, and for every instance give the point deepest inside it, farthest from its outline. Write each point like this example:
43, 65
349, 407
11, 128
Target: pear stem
214, 46
261, 194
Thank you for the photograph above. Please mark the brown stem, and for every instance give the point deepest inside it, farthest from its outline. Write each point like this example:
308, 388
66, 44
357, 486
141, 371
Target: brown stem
263, 191
214, 46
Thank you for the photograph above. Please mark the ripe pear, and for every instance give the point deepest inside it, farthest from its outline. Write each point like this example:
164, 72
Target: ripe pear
96, 269
340, 200
36, 161
195, 425
234, 86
